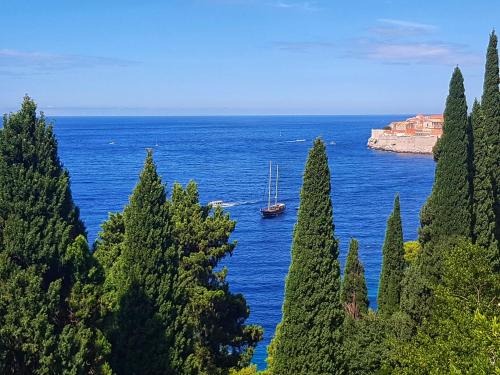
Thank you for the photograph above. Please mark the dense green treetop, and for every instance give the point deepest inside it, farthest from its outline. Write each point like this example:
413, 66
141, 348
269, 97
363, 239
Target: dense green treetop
462, 336
354, 293
49, 285
393, 264
310, 341
211, 335
487, 157
142, 331
482, 183
447, 212
38, 217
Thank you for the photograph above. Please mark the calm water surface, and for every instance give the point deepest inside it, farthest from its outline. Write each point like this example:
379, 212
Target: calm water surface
228, 157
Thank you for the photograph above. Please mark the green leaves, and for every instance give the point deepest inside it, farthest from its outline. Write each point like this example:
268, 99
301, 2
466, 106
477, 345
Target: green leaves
448, 210
309, 335
486, 157
393, 264
354, 293
49, 284
461, 335
172, 308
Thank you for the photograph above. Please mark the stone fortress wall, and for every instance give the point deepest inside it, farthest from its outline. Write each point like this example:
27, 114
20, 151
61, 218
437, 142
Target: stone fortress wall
402, 143
416, 135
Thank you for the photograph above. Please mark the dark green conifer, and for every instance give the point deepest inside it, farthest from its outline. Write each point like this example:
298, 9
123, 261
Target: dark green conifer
176, 313
483, 203
393, 264
486, 132
144, 318
310, 339
48, 283
210, 332
447, 212
354, 294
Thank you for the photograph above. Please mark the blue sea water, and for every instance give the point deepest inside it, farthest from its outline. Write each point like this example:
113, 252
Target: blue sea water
229, 159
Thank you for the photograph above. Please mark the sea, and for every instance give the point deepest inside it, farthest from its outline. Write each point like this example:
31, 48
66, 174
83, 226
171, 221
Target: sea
229, 159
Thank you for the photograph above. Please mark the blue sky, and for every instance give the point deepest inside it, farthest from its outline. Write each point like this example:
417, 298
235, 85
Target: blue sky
176, 57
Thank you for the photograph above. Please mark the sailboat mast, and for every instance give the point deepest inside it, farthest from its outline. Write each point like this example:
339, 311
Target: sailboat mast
269, 193
276, 195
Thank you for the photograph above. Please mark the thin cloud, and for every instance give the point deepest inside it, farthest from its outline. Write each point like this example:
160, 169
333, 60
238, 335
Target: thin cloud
25, 63
303, 5
430, 53
302, 46
397, 28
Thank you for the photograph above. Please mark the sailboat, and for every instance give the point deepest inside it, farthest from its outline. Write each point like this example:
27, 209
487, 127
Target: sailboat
277, 208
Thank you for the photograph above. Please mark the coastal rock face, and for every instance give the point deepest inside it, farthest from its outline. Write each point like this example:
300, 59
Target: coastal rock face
417, 144
416, 135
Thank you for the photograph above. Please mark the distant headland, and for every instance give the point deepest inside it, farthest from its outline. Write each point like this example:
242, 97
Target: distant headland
416, 135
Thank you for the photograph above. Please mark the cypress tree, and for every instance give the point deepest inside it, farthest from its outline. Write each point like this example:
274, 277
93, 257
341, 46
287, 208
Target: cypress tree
48, 283
486, 131
144, 318
393, 264
447, 212
310, 340
483, 203
354, 294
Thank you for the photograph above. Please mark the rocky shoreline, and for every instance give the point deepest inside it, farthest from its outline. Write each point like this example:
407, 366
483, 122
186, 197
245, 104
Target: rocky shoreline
414, 144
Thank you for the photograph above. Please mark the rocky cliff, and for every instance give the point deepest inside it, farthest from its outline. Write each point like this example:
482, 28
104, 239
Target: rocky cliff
417, 144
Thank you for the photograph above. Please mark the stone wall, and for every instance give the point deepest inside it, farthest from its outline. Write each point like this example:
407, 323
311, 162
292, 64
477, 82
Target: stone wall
402, 143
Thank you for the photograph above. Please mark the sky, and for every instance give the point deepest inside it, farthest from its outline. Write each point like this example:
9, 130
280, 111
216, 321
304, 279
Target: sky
235, 57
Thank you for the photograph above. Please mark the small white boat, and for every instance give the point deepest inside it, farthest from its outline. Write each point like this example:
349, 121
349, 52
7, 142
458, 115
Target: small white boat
216, 204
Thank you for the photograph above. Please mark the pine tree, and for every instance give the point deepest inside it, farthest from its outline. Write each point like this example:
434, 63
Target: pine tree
48, 284
211, 336
393, 264
354, 294
144, 319
447, 212
310, 340
486, 132
176, 313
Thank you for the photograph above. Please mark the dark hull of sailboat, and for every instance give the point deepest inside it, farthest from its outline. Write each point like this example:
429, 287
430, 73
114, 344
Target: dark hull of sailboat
273, 211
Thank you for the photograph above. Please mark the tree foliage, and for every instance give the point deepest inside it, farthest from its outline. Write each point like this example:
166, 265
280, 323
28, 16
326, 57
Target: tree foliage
354, 293
393, 264
447, 212
364, 344
486, 157
49, 285
173, 310
211, 336
463, 333
412, 249
310, 339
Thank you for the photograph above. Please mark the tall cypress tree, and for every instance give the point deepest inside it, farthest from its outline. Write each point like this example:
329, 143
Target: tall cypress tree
486, 130
393, 264
310, 341
354, 294
144, 318
45, 325
483, 203
448, 211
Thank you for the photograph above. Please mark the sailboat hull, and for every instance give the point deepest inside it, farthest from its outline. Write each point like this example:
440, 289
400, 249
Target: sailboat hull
273, 211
